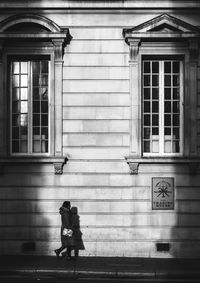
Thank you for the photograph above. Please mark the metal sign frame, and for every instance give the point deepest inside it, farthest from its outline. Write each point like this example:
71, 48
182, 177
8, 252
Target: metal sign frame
162, 193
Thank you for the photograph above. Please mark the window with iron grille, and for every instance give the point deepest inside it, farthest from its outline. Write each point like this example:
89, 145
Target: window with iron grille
162, 95
29, 104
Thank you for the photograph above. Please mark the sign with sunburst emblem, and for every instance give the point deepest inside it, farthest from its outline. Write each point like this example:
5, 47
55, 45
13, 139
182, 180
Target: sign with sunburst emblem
162, 193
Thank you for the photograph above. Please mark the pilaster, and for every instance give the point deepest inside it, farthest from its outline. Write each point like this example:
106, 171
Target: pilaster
193, 63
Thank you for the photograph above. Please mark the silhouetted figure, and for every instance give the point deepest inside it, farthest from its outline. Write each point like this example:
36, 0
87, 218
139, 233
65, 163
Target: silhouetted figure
77, 232
67, 233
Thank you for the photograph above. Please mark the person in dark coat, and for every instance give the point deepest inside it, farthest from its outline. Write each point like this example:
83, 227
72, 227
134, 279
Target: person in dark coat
67, 237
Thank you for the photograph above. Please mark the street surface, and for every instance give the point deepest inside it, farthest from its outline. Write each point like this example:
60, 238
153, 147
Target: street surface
15, 279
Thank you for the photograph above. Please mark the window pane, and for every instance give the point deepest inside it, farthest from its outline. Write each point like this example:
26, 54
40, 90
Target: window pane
24, 94
155, 93
176, 67
168, 147
175, 93
24, 67
155, 131
15, 132
36, 119
167, 67
155, 146
146, 67
146, 80
15, 146
24, 107
155, 120
45, 65
44, 106
167, 107
146, 93
36, 106
175, 120
167, 120
15, 107
44, 93
155, 67
36, 130
44, 121
24, 80
147, 120
175, 80
146, 133
146, 146
155, 106
36, 66
146, 106
167, 93
15, 67
155, 80
15, 81
167, 80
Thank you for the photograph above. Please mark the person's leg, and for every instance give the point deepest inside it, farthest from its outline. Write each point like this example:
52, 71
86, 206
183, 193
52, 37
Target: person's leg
58, 251
69, 250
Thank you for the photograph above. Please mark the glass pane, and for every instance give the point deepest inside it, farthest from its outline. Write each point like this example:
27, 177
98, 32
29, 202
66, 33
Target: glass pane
24, 107
15, 120
176, 133
44, 132
36, 119
44, 120
36, 106
146, 80
24, 130
175, 107
167, 107
37, 146
176, 146
167, 67
44, 106
146, 93
146, 106
15, 132
36, 67
176, 120
155, 120
24, 67
15, 107
15, 146
44, 80
167, 145
36, 130
15, 81
147, 120
15, 67
167, 120
146, 67
146, 133
168, 131
35, 80
155, 106
155, 93
175, 80
24, 80
175, 93
167, 80
44, 93
155, 67
155, 80
44, 146
45, 65
23, 119
155, 146
167, 93
24, 94
15, 94
146, 146
24, 146
155, 131
36, 95
176, 67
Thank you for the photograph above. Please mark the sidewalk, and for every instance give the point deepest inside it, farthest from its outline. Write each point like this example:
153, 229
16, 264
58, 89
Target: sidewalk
106, 267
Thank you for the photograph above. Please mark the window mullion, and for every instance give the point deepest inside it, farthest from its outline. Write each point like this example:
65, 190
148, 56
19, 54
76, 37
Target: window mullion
30, 102
161, 106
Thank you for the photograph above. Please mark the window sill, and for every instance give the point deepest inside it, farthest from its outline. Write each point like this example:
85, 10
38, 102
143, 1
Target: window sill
134, 162
57, 162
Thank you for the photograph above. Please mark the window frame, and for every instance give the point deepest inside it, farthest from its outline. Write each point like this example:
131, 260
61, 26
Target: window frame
29, 61
161, 59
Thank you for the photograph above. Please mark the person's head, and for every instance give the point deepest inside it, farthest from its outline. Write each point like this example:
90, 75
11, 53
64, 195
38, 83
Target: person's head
67, 204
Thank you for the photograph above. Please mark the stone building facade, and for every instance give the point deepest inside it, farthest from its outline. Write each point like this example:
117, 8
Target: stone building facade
100, 105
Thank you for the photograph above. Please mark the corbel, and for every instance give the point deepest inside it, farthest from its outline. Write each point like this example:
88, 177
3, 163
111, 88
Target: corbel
133, 165
58, 168
59, 45
134, 49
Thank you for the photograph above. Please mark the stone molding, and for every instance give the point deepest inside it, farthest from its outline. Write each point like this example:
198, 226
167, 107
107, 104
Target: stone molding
58, 163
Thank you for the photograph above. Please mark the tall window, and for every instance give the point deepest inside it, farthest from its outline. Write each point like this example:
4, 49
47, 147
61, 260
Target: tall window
29, 89
162, 107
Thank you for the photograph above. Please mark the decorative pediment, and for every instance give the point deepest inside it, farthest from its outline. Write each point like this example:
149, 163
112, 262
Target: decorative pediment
164, 26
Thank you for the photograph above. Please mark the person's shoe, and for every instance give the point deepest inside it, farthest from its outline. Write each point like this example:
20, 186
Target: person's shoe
57, 252
63, 254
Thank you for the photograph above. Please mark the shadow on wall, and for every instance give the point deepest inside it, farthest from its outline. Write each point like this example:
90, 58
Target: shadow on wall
186, 234
24, 228
77, 232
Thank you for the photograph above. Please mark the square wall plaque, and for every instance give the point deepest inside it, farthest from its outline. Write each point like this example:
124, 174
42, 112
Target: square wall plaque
162, 193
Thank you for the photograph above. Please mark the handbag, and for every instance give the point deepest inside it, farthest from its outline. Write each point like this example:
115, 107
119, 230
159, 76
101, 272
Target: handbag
67, 232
